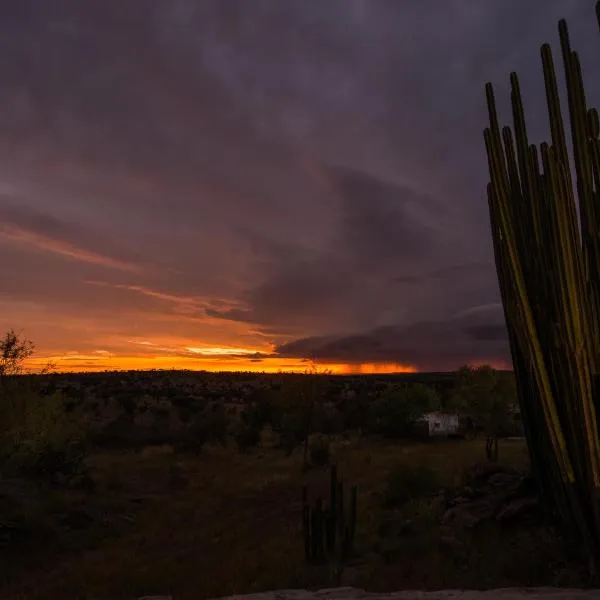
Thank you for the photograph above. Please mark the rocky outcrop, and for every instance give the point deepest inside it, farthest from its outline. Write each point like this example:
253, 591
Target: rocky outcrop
356, 594
492, 492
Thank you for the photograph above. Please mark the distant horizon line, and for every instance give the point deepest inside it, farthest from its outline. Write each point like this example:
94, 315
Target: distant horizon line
243, 372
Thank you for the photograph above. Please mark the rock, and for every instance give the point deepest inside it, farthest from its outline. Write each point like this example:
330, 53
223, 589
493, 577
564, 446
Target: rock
407, 527
450, 542
470, 514
516, 508
459, 500
493, 492
17, 490
348, 593
75, 520
481, 473
352, 575
459, 517
504, 479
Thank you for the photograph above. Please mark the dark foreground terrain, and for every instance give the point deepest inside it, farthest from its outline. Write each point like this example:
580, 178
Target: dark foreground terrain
224, 516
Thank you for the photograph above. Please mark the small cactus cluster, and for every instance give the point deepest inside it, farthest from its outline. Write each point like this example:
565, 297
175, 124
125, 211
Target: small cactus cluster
329, 529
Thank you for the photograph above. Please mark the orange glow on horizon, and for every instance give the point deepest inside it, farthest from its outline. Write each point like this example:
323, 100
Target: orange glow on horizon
106, 361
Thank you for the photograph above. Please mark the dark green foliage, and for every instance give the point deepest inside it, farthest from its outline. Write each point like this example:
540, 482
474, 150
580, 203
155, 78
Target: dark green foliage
195, 435
319, 452
216, 424
247, 436
487, 396
300, 397
291, 432
208, 426
127, 402
252, 421
329, 530
39, 438
399, 408
53, 464
255, 415
116, 433
328, 420
488, 399
263, 409
407, 482
356, 412
161, 411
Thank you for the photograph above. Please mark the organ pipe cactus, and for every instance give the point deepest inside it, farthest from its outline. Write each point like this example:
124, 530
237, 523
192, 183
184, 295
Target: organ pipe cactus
545, 222
329, 530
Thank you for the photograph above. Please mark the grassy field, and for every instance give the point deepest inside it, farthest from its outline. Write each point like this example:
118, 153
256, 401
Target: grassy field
224, 523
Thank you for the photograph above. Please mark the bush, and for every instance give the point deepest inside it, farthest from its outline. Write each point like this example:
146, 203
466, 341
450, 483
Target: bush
356, 412
216, 424
262, 409
128, 403
400, 407
406, 482
208, 426
247, 436
115, 433
39, 438
291, 433
194, 437
319, 452
328, 421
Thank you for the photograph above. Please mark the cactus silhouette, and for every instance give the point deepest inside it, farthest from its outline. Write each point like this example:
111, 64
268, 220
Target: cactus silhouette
545, 222
329, 530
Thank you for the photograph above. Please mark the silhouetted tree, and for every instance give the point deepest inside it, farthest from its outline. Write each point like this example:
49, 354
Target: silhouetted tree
14, 351
487, 397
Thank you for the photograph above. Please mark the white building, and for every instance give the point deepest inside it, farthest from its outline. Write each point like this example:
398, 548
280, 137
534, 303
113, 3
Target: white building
442, 423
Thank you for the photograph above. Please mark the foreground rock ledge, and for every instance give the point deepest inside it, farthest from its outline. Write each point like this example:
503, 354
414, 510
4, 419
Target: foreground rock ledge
348, 593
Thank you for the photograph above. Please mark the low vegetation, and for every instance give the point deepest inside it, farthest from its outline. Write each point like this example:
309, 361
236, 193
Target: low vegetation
118, 485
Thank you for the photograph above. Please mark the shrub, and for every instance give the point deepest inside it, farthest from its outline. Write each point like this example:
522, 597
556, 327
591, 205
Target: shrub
216, 424
127, 402
208, 426
115, 433
161, 409
291, 433
194, 437
319, 452
400, 407
247, 436
262, 409
38, 437
406, 482
356, 412
328, 420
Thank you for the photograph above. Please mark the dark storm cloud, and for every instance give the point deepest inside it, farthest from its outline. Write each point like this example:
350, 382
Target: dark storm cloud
307, 168
380, 228
428, 345
382, 222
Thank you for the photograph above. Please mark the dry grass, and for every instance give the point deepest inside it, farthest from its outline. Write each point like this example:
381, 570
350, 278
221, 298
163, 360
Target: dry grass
225, 523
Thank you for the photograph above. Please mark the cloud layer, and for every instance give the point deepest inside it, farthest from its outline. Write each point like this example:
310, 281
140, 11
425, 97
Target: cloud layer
299, 179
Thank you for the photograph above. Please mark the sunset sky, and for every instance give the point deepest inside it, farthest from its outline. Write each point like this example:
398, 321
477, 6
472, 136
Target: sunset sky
253, 184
